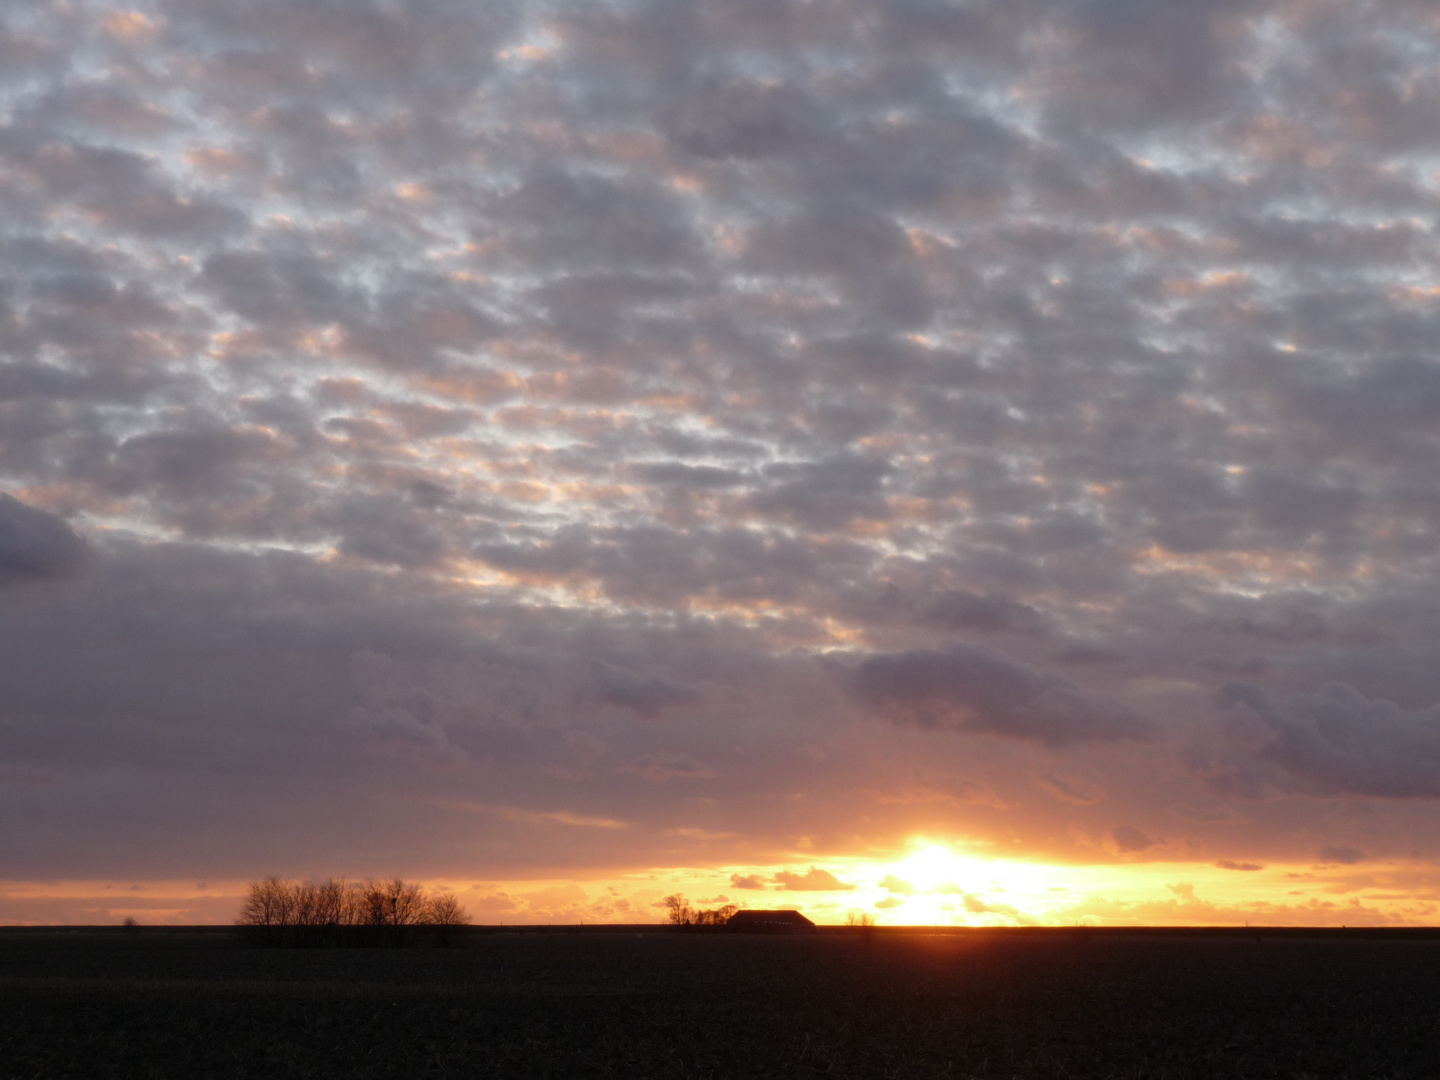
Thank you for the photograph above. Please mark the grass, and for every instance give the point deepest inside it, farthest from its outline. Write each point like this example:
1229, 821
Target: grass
986, 1004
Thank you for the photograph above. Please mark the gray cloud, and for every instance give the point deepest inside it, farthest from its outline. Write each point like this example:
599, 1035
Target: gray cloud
35, 545
1345, 856
981, 689
1130, 840
824, 495
959, 609
600, 364
1338, 741
647, 696
662, 766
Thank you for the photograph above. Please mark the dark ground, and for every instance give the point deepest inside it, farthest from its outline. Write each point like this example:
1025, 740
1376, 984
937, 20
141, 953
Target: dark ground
1049, 1004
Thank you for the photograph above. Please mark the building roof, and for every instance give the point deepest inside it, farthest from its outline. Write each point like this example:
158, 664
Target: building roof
768, 919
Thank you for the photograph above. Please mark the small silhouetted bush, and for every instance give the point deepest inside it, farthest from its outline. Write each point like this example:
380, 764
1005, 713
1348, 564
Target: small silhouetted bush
863, 923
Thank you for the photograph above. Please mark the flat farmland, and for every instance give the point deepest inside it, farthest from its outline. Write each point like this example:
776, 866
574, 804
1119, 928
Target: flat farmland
1055, 1003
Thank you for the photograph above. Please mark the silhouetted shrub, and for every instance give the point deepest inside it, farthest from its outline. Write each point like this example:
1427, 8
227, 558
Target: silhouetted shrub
443, 911
863, 922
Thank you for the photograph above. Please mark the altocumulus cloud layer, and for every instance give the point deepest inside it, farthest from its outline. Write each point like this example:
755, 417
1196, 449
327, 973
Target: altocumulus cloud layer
503, 438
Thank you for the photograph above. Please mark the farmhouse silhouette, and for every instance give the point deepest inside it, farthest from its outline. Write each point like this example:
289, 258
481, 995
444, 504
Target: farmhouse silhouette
772, 921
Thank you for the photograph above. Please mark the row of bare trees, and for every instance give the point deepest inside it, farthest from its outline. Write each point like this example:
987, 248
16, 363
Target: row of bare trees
679, 913
304, 911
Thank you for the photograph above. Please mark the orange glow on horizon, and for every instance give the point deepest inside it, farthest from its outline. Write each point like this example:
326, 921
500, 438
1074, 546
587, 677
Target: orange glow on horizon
930, 884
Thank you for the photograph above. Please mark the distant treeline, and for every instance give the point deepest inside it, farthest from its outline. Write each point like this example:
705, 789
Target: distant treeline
679, 913
282, 912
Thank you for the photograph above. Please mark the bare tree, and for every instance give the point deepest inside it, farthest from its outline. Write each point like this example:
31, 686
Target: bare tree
371, 908
680, 913
444, 912
678, 910
396, 902
320, 909
407, 903
863, 922
331, 903
270, 902
443, 909
716, 916
307, 904
312, 912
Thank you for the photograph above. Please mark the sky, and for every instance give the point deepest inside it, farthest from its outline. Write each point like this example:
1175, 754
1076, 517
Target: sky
968, 462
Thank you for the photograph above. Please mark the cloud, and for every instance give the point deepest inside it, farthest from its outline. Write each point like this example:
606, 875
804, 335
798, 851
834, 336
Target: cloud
824, 495
398, 717
1227, 864
980, 689
962, 610
747, 881
394, 730
896, 885
813, 880
976, 906
647, 696
1338, 741
690, 476
1082, 653
662, 766
1345, 856
1075, 793
594, 404
1129, 840
36, 545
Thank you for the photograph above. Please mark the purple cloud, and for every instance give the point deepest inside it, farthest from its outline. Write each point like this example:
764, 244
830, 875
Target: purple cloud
463, 421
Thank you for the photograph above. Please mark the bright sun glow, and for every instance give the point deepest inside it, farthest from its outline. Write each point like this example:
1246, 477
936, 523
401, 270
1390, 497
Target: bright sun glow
936, 884
930, 884
936, 868
931, 866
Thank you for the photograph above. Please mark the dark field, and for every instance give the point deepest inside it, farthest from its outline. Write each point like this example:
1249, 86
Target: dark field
907, 1004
